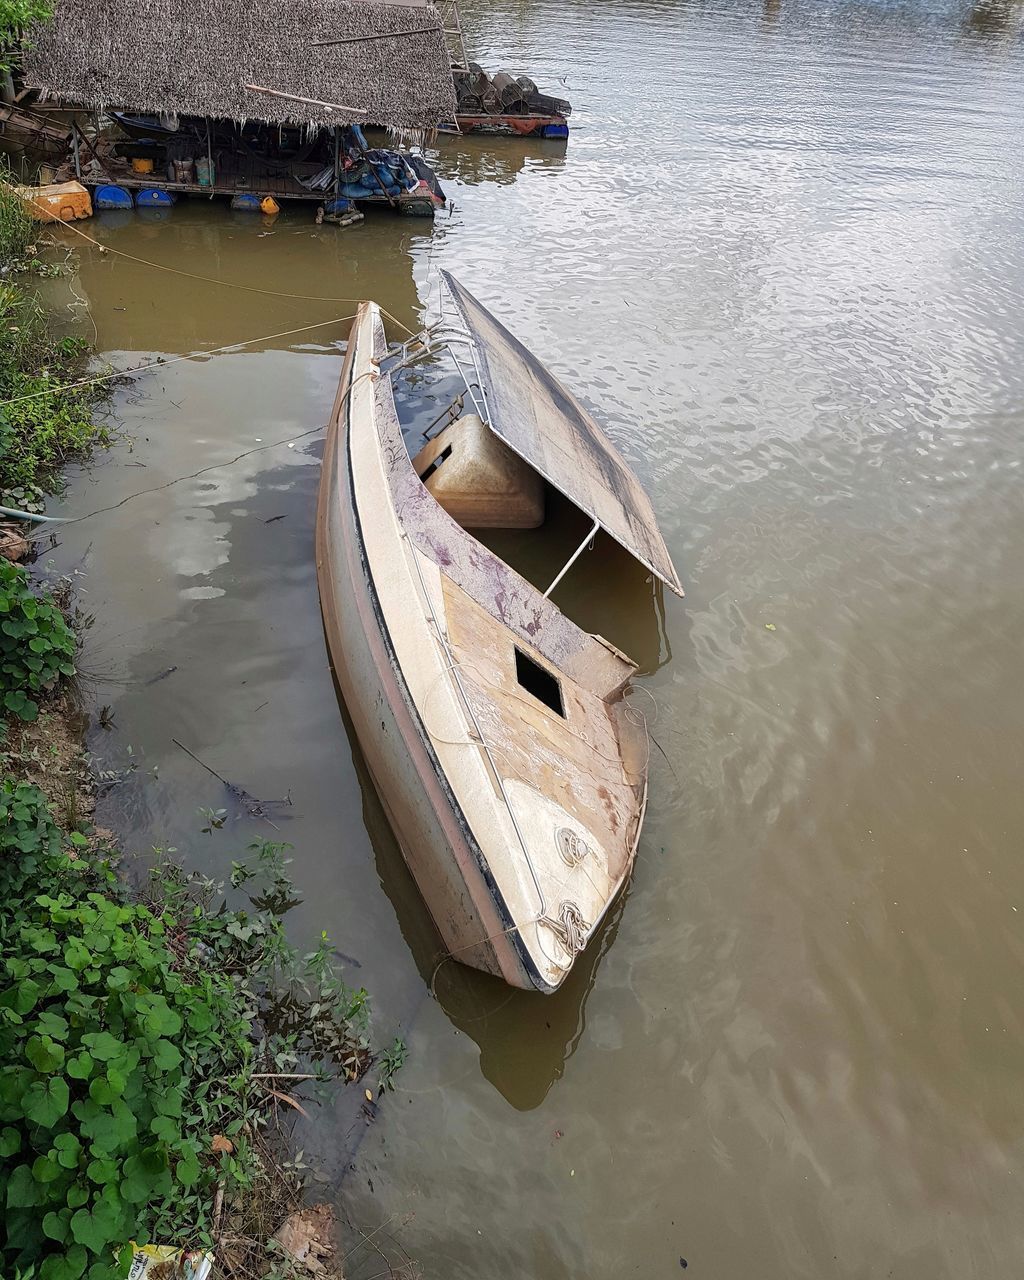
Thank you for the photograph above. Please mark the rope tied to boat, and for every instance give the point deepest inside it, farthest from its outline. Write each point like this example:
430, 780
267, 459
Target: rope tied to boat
571, 930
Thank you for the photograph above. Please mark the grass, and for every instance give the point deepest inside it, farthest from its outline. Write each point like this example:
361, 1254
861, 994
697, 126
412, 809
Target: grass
40, 428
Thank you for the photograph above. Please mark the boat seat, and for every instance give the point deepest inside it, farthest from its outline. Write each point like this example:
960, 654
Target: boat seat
478, 480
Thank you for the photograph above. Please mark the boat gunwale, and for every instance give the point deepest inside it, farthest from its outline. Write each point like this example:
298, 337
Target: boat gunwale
511, 929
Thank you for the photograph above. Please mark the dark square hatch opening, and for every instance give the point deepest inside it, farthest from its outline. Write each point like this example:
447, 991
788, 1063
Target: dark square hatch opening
542, 684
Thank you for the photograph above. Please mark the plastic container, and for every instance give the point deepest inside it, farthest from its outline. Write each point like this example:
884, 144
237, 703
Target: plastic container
334, 207
154, 198
142, 164
478, 480
248, 201
205, 172
270, 206
111, 197
59, 202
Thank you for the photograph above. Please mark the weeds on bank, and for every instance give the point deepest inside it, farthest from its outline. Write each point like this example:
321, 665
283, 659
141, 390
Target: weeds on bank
37, 646
40, 428
143, 1045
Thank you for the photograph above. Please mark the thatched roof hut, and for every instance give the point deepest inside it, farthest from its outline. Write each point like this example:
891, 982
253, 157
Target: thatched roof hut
196, 57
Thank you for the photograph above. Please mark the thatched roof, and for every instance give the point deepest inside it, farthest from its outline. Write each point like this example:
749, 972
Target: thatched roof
195, 57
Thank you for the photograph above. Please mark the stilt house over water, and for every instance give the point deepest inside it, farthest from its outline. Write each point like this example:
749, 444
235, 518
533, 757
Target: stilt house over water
260, 97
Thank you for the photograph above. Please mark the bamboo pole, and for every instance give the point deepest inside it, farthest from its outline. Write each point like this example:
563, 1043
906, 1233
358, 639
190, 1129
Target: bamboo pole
380, 35
310, 102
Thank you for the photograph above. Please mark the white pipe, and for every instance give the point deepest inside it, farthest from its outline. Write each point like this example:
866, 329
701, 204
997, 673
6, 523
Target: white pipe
574, 557
30, 515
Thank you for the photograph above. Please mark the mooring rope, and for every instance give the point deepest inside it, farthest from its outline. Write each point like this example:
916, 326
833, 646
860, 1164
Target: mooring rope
162, 363
226, 284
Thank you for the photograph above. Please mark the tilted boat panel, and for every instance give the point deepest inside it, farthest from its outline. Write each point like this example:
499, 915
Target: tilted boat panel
545, 424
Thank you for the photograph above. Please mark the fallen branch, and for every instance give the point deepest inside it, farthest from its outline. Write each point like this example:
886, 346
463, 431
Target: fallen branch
256, 808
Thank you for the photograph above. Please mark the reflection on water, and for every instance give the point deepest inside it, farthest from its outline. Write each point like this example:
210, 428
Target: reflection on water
781, 259
997, 19
473, 158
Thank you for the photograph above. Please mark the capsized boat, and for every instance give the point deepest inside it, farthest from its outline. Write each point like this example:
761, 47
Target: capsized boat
499, 734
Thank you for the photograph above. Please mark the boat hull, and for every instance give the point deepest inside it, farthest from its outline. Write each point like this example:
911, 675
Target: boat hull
431, 831
515, 126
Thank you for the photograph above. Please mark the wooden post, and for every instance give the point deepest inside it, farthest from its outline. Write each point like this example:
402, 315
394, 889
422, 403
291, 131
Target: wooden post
337, 161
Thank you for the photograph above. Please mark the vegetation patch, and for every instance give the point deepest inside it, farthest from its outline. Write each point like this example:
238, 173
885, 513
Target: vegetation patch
141, 1042
41, 427
37, 646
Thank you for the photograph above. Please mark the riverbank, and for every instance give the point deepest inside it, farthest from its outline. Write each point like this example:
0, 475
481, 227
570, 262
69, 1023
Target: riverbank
45, 421
156, 1040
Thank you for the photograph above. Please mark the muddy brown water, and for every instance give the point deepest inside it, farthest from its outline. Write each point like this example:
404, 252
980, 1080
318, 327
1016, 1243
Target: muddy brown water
782, 257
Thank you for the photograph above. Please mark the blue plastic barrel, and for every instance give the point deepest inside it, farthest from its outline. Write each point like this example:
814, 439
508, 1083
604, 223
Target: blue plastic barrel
247, 200
110, 197
153, 198
338, 206
555, 131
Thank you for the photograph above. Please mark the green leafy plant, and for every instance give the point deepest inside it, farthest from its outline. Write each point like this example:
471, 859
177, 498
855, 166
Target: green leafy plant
16, 227
41, 424
392, 1060
134, 1032
37, 646
16, 17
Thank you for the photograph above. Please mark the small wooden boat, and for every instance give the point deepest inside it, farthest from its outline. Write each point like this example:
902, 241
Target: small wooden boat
499, 734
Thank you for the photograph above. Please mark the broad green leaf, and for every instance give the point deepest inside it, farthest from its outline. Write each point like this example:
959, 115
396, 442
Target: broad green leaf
52, 1024
103, 1045
102, 1170
78, 1194
187, 1170
69, 1149
45, 1054
55, 1225
168, 1104
46, 1101
26, 996
100, 1091
76, 955
166, 1055
119, 978
22, 1189
45, 1169
117, 1079
10, 1141
63, 979
69, 1265
97, 1228
80, 1067
164, 1128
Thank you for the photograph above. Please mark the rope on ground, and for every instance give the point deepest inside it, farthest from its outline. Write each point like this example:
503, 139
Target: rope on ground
227, 284
162, 364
